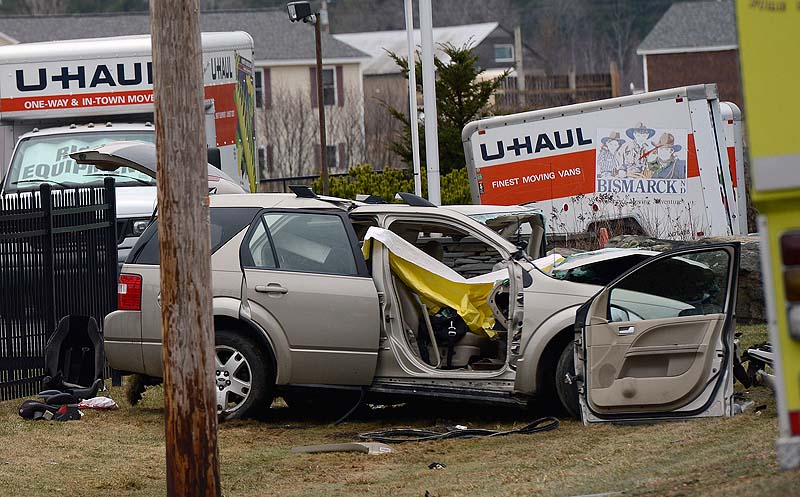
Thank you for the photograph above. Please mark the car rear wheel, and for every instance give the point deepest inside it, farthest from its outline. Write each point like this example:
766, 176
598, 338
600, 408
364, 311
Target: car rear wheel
243, 378
567, 392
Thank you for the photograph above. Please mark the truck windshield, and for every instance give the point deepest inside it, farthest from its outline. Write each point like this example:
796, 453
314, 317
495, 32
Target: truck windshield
45, 159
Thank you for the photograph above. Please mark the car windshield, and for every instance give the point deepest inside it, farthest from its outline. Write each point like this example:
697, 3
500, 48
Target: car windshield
517, 216
600, 272
45, 159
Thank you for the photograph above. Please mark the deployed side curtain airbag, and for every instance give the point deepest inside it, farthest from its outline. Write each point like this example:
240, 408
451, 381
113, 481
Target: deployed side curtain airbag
436, 284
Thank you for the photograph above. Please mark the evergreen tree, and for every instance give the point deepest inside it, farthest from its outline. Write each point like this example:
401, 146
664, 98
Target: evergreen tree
460, 98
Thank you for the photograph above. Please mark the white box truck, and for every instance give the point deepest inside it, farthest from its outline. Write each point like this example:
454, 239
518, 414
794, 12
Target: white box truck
654, 163
60, 97
734, 141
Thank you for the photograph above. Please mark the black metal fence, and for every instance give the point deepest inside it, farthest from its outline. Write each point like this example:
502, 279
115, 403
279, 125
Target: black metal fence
58, 257
281, 185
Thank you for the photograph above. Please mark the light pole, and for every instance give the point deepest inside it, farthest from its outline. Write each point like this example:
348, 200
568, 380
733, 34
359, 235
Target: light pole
301, 11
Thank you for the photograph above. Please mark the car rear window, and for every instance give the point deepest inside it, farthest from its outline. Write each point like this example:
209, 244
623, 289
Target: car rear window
226, 222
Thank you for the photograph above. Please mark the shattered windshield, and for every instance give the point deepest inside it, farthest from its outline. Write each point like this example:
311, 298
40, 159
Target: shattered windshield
45, 159
518, 217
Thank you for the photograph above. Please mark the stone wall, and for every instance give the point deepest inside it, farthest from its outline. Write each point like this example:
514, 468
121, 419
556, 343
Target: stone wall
468, 257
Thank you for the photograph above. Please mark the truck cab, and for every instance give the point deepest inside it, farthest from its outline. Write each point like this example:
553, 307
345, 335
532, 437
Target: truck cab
42, 156
57, 98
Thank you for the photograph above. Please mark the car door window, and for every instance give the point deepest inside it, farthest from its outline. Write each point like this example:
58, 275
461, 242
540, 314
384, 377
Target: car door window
260, 248
687, 285
304, 242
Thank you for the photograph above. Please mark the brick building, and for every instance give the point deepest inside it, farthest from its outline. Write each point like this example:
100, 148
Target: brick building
692, 43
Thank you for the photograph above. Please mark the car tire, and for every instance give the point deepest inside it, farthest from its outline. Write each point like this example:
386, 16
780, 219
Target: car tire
244, 379
567, 393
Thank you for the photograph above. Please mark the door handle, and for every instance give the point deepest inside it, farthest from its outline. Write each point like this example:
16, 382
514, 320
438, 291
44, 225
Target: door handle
626, 330
158, 299
271, 288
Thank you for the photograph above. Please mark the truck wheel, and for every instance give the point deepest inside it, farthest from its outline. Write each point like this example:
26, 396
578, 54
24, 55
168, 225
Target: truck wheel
567, 393
244, 380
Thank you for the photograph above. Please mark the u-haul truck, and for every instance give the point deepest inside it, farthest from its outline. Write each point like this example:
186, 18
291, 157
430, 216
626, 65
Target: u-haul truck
655, 163
734, 141
60, 97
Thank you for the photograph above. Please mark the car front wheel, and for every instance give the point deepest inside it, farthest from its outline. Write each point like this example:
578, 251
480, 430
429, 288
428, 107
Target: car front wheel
567, 392
243, 378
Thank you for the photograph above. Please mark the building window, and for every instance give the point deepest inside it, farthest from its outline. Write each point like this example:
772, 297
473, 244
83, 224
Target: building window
332, 156
259, 76
504, 53
262, 161
329, 86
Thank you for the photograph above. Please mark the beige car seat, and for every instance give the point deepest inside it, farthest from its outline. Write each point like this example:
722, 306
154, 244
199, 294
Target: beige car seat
411, 312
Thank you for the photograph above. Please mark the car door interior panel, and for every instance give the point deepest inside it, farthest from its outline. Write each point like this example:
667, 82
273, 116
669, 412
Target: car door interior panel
658, 338
660, 365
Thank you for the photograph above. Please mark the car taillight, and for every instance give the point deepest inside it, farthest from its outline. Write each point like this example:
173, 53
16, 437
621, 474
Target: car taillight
129, 292
794, 423
790, 257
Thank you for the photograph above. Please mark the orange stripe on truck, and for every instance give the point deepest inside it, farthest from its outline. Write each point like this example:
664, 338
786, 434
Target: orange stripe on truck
557, 176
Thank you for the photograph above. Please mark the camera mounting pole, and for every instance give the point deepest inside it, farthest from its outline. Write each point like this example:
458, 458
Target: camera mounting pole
301, 11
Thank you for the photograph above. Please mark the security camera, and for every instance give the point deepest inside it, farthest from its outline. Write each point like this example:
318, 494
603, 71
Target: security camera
299, 11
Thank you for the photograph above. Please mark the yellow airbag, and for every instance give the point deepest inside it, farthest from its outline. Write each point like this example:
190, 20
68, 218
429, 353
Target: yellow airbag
436, 284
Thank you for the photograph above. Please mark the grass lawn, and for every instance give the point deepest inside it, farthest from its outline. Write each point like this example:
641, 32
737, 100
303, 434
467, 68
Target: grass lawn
122, 453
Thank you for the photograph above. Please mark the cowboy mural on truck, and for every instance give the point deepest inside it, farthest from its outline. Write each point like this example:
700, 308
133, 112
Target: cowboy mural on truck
631, 161
609, 160
637, 152
667, 164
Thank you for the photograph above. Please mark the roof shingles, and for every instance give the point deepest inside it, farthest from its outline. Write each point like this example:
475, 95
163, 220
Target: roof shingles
693, 26
276, 39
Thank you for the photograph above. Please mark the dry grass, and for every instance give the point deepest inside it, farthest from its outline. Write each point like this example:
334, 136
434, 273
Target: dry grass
122, 453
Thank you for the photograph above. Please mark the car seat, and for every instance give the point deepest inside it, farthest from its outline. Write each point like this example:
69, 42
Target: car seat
74, 358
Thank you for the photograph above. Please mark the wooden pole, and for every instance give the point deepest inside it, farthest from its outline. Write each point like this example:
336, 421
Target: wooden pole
323, 145
188, 350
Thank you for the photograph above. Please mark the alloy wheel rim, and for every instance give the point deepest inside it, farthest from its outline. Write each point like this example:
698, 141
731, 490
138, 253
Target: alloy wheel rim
233, 379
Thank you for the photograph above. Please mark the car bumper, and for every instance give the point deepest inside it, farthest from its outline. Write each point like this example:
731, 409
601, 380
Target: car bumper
122, 339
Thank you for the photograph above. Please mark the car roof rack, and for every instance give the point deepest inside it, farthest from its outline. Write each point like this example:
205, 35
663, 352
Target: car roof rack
414, 200
302, 191
370, 199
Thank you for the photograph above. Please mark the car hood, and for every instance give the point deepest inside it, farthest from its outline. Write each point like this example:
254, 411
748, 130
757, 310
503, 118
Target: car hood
141, 157
585, 258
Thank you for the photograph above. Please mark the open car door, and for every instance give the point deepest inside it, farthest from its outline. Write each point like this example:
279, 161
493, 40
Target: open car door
657, 342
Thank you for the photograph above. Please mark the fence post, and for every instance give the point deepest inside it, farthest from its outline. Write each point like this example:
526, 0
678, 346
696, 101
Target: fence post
615, 86
573, 86
110, 195
111, 256
48, 257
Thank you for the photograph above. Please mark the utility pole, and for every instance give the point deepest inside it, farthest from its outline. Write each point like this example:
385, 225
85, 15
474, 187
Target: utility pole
412, 96
188, 352
429, 94
323, 143
301, 11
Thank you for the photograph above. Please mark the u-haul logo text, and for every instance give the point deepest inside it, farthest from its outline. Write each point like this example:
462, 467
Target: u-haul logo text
81, 76
530, 145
